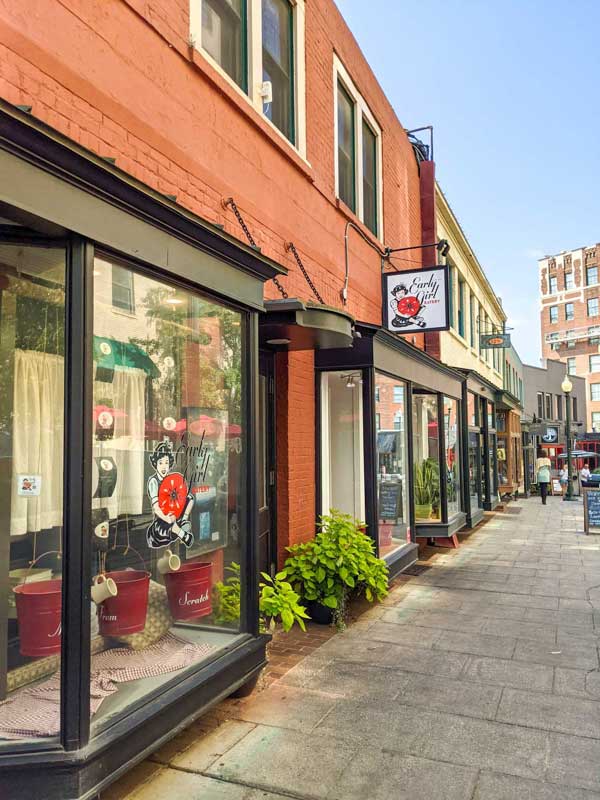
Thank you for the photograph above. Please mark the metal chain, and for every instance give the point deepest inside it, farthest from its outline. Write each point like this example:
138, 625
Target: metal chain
231, 202
290, 246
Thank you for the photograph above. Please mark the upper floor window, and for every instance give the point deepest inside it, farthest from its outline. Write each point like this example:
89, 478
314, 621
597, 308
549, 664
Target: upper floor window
559, 407
596, 421
377, 395
595, 392
461, 306
569, 311
591, 275
224, 36
398, 394
553, 313
592, 307
472, 316
259, 45
569, 280
595, 363
278, 64
357, 153
540, 405
575, 411
572, 365
122, 289
549, 414
553, 284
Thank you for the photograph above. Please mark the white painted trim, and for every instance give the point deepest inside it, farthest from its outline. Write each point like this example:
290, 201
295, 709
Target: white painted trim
325, 445
341, 75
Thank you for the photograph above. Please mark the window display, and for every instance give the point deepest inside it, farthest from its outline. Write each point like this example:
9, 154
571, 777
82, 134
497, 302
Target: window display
452, 450
426, 458
342, 451
167, 480
392, 472
474, 471
32, 341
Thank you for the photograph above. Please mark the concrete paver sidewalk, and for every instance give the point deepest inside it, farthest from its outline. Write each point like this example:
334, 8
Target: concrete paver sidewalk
477, 679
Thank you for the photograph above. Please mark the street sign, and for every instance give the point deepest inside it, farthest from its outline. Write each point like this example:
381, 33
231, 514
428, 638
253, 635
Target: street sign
416, 301
494, 341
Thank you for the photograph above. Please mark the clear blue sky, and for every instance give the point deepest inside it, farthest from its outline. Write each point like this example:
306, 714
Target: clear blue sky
513, 91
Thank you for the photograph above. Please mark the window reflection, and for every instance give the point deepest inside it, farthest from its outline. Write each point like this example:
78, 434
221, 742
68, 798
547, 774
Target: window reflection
392, 460
167, 478
426, 458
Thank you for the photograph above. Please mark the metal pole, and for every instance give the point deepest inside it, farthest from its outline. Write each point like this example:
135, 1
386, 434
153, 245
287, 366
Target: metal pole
569, 494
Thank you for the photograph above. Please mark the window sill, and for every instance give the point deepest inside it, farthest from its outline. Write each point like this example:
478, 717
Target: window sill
243, 103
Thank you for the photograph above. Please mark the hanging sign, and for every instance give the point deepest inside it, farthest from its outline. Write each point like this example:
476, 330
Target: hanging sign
416, 301
494, 341
550, 435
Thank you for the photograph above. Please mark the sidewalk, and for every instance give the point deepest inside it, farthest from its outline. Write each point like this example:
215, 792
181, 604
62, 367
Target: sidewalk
478, 679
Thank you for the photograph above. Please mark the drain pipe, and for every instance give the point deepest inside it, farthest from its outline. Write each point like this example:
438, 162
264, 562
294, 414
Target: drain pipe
372, 245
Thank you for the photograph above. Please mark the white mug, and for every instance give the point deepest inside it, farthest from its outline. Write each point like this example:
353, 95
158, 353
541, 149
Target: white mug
169, 562
103, 588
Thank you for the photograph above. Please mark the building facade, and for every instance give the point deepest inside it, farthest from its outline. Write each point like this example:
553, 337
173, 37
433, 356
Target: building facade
192, 227
570, 318
545, 410
475, 311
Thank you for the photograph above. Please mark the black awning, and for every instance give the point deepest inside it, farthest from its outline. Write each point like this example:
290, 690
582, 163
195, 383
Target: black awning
296, 325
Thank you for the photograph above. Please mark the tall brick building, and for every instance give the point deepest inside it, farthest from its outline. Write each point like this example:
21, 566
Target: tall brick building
570, 318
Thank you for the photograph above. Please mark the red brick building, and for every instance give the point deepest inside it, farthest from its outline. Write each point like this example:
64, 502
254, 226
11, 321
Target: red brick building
195, 201
570, 319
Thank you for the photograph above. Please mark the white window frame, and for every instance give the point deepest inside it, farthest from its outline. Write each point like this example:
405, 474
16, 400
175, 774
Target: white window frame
340, 75
572, 365
596, 421
254, 76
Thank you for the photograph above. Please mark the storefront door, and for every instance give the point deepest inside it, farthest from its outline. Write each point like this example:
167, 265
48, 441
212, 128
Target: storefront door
267, 554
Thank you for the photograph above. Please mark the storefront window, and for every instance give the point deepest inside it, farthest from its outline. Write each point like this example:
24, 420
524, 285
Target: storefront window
342, 454
474, 471
167, 475
502, 454
426, 458
472, 409
451, 449
32, 348
392, 472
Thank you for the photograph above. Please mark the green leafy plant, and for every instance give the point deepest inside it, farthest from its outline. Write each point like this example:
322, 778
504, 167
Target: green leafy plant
427, 482
278, 601
340, 561
226, 601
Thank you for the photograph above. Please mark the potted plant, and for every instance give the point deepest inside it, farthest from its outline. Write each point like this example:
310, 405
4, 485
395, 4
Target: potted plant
340, 561
427, 479
278, 602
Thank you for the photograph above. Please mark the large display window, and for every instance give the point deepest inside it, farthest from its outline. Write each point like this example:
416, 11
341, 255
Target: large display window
32, 413
452, 455
391, 430
426, 455
342, 446
168, 439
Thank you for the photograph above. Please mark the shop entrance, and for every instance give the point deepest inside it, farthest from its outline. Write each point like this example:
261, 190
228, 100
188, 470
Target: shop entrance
267, 545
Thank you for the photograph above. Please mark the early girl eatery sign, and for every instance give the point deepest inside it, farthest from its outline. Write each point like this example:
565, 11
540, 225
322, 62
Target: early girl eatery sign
416, 301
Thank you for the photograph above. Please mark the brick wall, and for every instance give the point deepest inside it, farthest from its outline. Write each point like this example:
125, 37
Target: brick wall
119, 78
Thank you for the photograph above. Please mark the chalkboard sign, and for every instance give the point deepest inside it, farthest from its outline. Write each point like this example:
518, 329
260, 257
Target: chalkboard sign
591, 510
390, 493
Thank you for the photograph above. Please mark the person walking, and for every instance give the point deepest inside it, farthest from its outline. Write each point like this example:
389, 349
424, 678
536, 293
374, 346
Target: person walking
542, 471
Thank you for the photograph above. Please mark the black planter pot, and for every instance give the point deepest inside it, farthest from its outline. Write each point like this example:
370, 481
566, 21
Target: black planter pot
322, 615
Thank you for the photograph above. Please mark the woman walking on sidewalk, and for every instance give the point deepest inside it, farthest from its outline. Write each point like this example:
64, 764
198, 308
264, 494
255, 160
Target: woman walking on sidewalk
542, 471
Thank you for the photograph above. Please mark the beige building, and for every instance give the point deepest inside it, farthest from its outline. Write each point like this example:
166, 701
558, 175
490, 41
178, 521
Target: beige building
474, 307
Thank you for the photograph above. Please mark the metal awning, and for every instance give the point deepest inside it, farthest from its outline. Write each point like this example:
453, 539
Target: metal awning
295, 325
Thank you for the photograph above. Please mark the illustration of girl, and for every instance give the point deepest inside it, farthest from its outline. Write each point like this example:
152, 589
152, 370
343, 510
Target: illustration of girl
171, 501
406, 308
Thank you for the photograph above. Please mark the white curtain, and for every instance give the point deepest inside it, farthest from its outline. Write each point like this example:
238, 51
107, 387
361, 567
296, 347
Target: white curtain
38, 435
127, 445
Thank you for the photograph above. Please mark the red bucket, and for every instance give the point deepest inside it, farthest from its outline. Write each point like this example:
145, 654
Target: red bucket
125, 613
39, 606
189, 590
